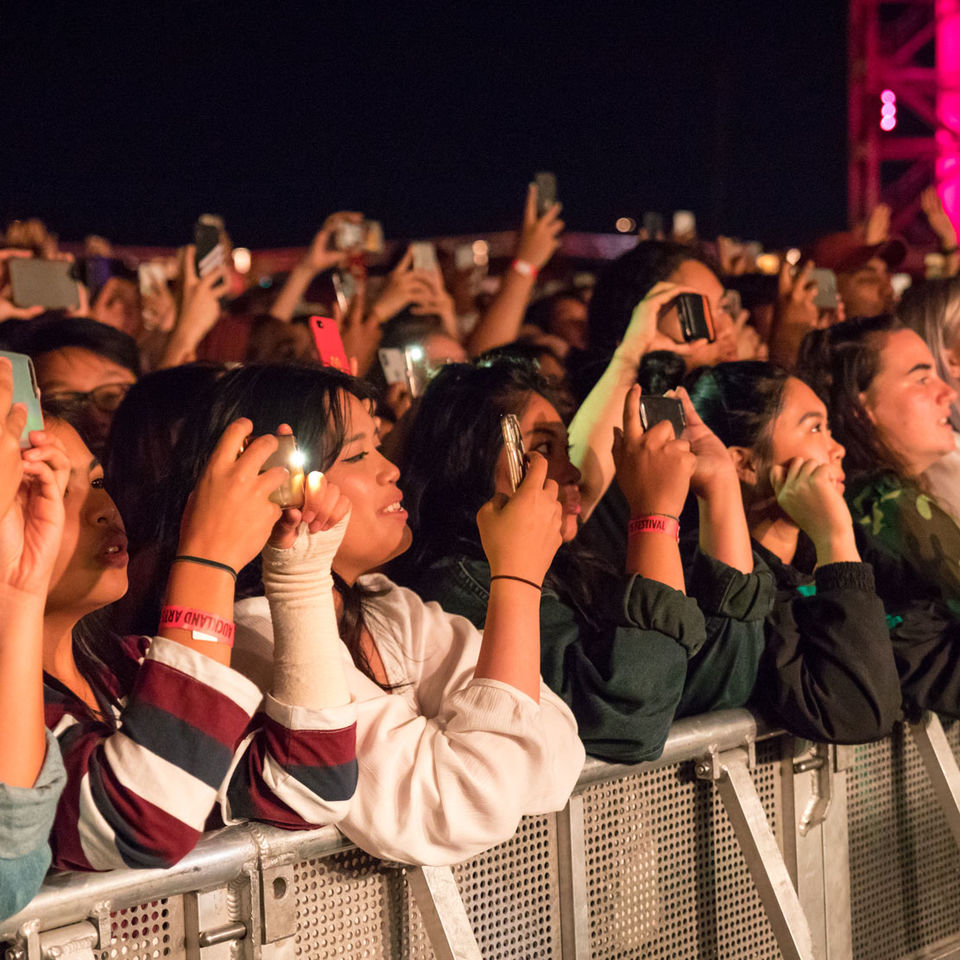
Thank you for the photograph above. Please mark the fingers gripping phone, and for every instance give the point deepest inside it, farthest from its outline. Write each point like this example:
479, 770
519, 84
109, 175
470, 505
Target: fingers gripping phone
654, 409
26, 391
513, 443
291, 492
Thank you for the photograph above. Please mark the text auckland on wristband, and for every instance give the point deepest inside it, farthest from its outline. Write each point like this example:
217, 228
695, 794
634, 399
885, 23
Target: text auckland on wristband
655, 523
202, 625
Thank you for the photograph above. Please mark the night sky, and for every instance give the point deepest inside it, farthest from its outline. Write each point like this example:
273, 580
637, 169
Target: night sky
129, 120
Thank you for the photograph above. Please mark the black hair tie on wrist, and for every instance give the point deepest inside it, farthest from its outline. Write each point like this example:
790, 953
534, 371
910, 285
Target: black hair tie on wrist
506, 576
203, 561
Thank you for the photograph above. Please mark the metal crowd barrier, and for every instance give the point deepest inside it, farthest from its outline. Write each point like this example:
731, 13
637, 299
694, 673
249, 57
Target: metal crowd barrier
739, 842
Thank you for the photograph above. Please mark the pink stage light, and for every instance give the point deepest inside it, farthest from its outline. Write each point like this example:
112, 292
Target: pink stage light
888, 123
948, 106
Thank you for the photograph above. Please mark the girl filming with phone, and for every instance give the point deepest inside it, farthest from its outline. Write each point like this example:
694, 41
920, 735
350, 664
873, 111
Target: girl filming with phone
457, 735
627, 649
160, 737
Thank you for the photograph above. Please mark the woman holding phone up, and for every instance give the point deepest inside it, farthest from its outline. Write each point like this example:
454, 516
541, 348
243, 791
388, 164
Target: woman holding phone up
457, 735
627, 650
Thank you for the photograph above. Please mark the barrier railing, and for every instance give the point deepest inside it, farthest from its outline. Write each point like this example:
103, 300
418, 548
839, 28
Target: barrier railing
738, 842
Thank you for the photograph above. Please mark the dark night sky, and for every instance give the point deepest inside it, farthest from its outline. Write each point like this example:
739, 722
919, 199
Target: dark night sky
129, 120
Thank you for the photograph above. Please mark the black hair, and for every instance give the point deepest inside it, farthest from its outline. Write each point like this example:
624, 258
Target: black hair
660, 371
311, 400
448, 468
621, 286
53, 331
840, 363
540, 313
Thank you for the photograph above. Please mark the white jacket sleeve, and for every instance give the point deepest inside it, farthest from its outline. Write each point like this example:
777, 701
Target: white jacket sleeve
447, 764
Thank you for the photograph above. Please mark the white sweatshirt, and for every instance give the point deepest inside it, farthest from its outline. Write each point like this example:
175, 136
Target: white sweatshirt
447, 764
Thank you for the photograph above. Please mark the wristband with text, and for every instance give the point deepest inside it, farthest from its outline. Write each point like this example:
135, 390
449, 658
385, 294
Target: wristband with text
655, 523
202, 625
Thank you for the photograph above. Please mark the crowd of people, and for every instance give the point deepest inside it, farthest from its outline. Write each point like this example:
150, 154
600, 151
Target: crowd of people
243, 578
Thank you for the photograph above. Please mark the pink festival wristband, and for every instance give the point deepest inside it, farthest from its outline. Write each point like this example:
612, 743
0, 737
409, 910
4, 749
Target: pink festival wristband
202, 626
655, 523
524, 268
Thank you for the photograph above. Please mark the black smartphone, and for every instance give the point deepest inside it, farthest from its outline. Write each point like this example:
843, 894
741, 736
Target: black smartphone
513, 443
653, 409
546, 190
207, 234
26, 391
696, 320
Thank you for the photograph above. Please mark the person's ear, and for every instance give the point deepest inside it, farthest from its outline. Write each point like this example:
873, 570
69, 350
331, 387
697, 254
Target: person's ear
746, 464
863, 400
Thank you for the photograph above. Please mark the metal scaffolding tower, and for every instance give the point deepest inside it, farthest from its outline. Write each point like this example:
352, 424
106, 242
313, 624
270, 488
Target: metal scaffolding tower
904, 108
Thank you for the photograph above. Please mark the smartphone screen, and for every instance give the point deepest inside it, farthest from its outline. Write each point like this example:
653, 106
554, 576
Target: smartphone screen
654, 409
424, 256
546, 191
513, 444
393, 365
326, 338
26, 391
209, 249
43, 283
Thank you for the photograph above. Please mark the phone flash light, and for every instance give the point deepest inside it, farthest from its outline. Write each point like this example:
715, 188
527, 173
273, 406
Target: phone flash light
242, 259
416, 353
792, 256
298, 459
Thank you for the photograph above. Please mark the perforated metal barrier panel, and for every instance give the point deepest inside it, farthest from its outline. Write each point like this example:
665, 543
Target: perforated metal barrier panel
904, 864
665, 879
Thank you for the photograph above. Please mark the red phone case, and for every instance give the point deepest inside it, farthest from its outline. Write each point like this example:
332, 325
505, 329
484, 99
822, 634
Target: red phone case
326, 336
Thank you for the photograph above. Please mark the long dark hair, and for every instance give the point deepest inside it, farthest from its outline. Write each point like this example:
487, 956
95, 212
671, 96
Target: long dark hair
447, 472
739, 402
308, 398
840, 363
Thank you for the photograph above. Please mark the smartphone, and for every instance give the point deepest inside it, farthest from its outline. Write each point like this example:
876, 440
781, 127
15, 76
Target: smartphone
207, 234
696, 320
424, 256
26, 390
344, 288
45, 283
653, 224
291, 492
373, 241
513, 444
546, 190
349, 235
684, 223
415, 368
653, 409
393, 364
151, 277
329, 346
826, 281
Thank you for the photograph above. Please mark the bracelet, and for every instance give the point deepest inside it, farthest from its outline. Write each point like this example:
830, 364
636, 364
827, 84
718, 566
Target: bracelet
203, 561
202, 626
655, 523
524, 268
506, 576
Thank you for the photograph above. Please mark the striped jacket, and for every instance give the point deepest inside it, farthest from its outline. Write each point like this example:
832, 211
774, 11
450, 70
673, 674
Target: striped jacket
194, 745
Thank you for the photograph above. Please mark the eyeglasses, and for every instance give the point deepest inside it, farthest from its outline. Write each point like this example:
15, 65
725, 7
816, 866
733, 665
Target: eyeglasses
106, 398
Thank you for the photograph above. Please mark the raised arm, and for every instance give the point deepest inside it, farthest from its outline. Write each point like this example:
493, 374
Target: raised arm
539, 238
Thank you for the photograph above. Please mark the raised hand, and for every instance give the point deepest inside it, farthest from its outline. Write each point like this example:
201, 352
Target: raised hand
713, 462
539, 236
229, 516
521, 534
323, 508
653, 467
643, 335
810, 493
32, 527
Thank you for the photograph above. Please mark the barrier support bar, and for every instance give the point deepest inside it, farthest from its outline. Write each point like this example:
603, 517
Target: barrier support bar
444, 915
941, 766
